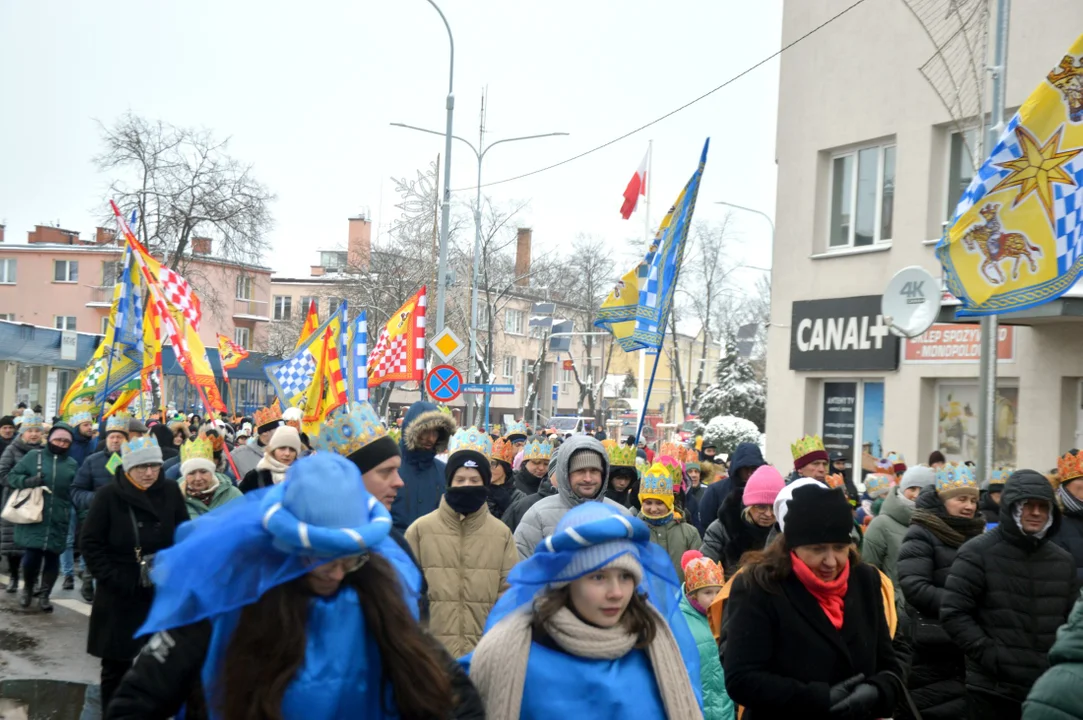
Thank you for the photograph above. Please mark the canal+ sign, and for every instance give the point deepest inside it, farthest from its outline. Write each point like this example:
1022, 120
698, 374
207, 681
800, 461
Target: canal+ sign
842, 334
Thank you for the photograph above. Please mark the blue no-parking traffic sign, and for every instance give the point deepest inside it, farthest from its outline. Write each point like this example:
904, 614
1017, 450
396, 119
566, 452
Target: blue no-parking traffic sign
444, 383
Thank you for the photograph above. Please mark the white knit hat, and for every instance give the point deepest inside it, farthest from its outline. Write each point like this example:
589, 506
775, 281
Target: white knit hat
284, 436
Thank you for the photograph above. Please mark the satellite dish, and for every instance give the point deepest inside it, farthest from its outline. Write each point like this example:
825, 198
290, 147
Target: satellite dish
911, 301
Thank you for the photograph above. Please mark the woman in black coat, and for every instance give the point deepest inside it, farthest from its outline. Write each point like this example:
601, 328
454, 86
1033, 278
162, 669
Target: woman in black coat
1070, 499
810, 638
139, 497
937, 677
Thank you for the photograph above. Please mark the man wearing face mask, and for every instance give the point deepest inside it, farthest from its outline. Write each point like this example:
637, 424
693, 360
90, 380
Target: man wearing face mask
465, 553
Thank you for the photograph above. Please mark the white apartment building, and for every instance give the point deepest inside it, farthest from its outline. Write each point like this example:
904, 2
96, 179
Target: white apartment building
870, 166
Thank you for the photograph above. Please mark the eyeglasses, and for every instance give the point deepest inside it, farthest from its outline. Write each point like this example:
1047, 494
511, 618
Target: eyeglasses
144, 469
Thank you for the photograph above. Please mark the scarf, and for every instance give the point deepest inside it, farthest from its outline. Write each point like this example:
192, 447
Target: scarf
656, 521
277, 469
950, 530
499, 666
207, 495
831, 595
1068, 501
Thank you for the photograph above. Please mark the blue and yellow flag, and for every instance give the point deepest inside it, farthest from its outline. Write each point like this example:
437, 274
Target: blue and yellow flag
637, 309
1016, 240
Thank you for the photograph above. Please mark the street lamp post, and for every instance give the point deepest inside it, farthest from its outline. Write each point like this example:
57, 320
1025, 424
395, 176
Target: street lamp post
762, 214
477, 240
445, 208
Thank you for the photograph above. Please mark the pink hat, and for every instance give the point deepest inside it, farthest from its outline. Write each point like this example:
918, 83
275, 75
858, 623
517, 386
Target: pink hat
763, 487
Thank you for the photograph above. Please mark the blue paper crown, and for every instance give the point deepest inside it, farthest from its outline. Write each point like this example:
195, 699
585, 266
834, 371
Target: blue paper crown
878, 482
32, 420
345, 431
471, 439
953, 476
118, 423
140, 443
537, 450
515, 428
77, 419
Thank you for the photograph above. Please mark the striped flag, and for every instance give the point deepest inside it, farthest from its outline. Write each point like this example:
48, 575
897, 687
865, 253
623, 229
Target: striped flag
358, 362
312, 322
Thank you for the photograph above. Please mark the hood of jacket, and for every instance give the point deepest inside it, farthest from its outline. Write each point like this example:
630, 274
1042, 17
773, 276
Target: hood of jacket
747, 455
1069, 644
420, 417
895, 509
1027, 485
567, 449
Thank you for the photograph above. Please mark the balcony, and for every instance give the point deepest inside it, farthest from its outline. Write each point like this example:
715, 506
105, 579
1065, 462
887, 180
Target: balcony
100, 296
250, 310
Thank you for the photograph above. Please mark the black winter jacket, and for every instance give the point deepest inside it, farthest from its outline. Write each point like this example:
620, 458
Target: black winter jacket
525, 481
990, 510
108, 543
746, 456
501, 497
1070, 537
1006, 595
92, 475
783, 654
730, 536
166, 676
938, 671
256, 480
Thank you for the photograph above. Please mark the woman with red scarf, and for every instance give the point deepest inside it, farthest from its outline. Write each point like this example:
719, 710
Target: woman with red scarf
808, 637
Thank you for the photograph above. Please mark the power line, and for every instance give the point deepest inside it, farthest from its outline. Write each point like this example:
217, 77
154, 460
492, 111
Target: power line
687, 105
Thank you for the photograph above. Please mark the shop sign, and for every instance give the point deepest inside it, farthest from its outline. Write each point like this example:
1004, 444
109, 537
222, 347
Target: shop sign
950, 343
842, 334
840, 417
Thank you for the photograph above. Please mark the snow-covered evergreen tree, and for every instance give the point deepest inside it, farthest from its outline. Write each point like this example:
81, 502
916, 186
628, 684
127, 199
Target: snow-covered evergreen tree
726, 432
735, 391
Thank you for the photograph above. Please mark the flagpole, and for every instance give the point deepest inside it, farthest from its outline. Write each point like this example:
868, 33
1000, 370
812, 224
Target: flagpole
646, 243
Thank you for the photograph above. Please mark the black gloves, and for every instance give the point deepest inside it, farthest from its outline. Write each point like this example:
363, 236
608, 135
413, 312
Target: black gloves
33, 482
841, 691
858, 704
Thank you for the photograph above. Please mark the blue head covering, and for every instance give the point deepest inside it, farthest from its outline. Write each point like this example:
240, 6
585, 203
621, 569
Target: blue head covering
588, 537
231, 556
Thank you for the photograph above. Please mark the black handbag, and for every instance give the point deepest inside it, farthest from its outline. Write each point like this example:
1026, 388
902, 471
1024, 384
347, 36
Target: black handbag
146, 562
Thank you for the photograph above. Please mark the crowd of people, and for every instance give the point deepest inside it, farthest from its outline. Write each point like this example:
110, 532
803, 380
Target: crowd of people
246, 570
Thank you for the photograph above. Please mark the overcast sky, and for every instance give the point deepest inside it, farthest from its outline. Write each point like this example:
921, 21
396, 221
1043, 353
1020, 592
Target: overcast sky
307, 92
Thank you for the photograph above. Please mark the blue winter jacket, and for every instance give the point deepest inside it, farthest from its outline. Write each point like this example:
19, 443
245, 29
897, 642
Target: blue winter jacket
421, 473
82, 447
91, 476
747, 455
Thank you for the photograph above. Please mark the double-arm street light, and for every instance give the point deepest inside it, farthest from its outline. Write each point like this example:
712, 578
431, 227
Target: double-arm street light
480, 155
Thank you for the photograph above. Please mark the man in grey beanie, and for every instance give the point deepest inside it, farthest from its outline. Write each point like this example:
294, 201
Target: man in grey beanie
885, 533
581, 470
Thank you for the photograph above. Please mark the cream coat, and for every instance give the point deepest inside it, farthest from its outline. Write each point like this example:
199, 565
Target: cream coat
466, 561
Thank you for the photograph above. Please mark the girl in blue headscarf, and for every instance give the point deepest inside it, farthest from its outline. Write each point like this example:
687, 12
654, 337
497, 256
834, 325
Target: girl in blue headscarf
590, 627
292, 602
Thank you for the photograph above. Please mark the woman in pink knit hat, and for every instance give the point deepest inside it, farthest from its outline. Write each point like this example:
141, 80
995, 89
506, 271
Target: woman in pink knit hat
744, 528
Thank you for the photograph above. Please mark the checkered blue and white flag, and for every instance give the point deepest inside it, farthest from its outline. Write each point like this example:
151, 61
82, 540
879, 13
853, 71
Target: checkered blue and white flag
359, 359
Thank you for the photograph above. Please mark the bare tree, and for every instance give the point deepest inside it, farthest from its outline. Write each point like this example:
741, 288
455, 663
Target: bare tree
589, 278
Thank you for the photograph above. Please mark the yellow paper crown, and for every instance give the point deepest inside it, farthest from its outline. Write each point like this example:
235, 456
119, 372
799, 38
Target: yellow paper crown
700, 573
657, 481
347, 430
200, 447
471, 439
621, 455
806, 445
1069, 467
266, 415
503, 451
537, 450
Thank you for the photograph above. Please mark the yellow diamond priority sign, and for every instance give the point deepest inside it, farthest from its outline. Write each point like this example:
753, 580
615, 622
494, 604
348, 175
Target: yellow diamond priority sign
446, 345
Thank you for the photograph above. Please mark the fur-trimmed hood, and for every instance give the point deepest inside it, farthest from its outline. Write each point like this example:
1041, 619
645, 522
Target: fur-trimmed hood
424, 416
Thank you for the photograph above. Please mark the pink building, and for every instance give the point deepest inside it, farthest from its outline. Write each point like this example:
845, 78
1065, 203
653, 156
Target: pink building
59, 280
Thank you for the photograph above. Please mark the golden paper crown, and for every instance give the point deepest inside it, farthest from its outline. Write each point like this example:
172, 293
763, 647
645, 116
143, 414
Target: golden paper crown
834, 481
201, 448
806, 445
267, 415
702, 572
621, 455
1067, 72
658, 480
503, 451
471, 439
347, 430
955, 476
1069, 467
118, 423
671, 449
537, 450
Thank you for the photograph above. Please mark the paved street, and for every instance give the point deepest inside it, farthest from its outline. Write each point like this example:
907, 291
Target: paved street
38, 647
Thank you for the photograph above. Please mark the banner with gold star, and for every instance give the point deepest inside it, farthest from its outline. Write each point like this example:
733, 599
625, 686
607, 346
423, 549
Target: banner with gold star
1016, 240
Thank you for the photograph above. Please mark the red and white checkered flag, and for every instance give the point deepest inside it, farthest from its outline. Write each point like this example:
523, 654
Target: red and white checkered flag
178, 293
399, 354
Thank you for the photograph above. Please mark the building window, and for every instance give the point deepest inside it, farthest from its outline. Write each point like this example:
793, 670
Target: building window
333, 260
64, 322
513, 321
332, 304
244, 287
105, 324
960, 168
483, 317
537, 331
306, 302
10, 317
567, 377
862, 197
111, 271
65, 271
509, 367
242, 336
7, 271
283, 307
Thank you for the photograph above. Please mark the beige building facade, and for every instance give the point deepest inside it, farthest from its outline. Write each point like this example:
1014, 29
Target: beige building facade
870, 166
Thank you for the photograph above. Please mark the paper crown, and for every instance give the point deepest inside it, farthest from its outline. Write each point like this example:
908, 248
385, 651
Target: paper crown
515, 428
837, 481
118, 423
32, 420
658, 480
676, 473
503, 451
878, 483
267, 415
198, 448
78, 418
471, 439
700, 572
1000, 475
810, 445
346, 430
953, 477
1069, 467
141, 443
537, 450
885, 466
620, 455
898, 462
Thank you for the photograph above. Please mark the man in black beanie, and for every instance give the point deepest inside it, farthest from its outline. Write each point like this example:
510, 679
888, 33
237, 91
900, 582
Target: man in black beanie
7, 432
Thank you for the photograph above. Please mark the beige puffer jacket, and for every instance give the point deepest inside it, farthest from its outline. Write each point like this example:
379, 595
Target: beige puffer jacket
466, 561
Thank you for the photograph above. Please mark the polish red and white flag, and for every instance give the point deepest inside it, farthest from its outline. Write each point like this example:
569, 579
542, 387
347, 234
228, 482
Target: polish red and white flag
637, 187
